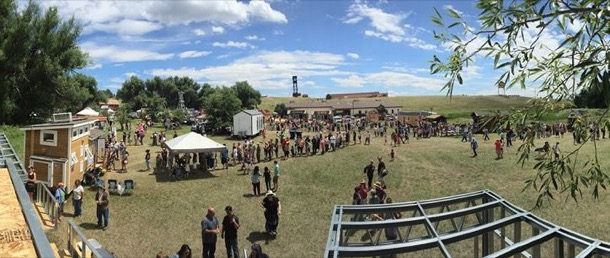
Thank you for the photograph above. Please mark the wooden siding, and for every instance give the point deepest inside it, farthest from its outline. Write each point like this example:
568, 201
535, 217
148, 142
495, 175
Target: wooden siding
33, 146
74, 170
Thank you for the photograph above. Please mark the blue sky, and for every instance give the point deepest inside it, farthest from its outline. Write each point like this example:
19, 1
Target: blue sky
332, 46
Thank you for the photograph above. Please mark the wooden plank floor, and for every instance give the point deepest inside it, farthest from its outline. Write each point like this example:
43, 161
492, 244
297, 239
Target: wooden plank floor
15, 238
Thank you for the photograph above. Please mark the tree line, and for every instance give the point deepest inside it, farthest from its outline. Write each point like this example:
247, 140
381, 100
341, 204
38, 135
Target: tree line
158, 95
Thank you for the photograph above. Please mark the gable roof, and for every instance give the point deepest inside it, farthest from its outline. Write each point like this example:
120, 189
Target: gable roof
252, 112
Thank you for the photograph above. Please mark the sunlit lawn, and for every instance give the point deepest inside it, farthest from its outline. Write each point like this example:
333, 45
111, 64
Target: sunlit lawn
162, 214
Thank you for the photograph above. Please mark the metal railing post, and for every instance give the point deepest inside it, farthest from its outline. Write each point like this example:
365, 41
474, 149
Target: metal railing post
536, 248
559, 248
517, 235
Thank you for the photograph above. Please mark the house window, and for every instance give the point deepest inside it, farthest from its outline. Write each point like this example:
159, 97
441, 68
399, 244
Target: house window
86, 129
48, 138
359, 112
74, 133
73, 159
80, 131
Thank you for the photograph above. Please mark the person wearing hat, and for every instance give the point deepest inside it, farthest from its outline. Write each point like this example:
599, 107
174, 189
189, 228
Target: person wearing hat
230, 225
60, 196
272, 209
363, 191
102, 202
147, 159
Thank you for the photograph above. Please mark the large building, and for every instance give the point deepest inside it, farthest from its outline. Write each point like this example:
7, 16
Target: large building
325, 109
373, 94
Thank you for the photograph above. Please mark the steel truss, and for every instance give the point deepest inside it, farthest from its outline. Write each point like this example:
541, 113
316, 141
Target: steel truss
483, 217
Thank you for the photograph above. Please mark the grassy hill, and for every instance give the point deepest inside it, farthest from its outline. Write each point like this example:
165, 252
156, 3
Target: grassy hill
456, 108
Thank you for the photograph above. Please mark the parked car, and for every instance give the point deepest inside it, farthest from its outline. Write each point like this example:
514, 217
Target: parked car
198, 127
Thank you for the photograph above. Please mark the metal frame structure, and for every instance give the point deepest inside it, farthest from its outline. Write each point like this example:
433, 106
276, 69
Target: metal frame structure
496, 227
9, 160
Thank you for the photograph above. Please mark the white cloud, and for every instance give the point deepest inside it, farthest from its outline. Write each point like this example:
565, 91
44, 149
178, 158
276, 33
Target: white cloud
124, 27
140, 17
130, 74
265, 70
193, 54
390, 79
218, 29
386, 26
234, 44
94, 66
254, 38
353, 55
114, 53
277, 32
199, 32
350, 81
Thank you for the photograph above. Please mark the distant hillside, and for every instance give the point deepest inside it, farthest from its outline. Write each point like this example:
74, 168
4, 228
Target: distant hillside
456, 108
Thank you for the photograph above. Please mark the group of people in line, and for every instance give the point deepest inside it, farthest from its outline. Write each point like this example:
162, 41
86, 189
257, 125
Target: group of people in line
228, 228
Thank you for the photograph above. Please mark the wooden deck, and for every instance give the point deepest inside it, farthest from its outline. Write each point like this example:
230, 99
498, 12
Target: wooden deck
15, 238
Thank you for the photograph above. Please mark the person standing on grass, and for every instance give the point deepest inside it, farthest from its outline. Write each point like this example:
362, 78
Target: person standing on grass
556, 150
380, 166
60, 196
272, 210
474, 145
267, 175
392, 154
77, 198
147, 159
256, 182
498, 147
369, 171
230, 225
209, 233
102, 202
276, 175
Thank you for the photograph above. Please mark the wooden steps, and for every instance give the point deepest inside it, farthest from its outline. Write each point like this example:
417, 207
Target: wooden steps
45, 219
60, 253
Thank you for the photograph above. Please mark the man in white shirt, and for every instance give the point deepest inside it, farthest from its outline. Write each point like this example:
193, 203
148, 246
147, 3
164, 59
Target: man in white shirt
77, 198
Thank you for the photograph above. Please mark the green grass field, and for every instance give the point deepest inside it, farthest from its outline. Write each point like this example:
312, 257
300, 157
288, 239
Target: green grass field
162, 214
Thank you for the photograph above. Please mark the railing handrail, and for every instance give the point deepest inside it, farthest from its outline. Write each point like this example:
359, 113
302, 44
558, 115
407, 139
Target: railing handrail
84, 239
46, 188
41, 242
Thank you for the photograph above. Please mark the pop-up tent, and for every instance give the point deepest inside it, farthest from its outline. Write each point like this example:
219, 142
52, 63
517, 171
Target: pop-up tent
88, 112
193, 143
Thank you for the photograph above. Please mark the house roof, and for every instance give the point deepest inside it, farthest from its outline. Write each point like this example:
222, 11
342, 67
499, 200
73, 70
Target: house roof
357, 95
59, 125
111, 102
252, 112
343, 104
416, 113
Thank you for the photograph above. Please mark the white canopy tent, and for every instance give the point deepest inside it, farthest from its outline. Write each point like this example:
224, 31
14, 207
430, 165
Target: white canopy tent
193, 143
88, 112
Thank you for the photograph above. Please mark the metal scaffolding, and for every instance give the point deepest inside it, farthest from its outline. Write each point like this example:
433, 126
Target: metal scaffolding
482, 221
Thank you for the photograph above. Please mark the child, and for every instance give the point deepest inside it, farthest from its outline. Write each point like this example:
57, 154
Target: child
392, 155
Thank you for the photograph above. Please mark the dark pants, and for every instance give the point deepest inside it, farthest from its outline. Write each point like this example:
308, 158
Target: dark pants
208, 250
102, 214
77, 207
272, 220
475, 152
370, 180
256, 188
268, 183
232, 247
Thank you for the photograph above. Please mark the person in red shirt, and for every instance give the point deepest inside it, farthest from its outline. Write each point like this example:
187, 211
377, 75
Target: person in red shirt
363, 191
499, 149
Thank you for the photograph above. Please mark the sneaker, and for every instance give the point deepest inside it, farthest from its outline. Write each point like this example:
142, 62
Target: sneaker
104, 228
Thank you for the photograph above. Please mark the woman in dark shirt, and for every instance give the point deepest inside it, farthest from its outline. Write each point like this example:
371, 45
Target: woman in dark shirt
267, 175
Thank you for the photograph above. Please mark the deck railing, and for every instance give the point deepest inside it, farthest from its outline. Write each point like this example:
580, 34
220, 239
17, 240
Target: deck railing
47, 200
79, 245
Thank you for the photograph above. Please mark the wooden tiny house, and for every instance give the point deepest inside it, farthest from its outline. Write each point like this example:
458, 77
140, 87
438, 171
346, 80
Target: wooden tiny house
59, 150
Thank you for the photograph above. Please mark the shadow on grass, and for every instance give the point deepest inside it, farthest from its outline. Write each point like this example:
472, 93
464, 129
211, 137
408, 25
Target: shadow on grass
258, 236
164, 176
249, 195
89, 226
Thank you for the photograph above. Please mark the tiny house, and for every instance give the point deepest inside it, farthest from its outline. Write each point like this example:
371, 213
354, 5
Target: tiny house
248, 123
59, 150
